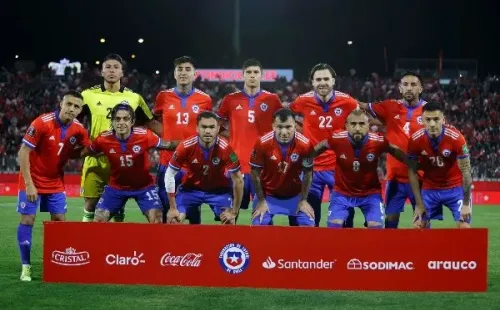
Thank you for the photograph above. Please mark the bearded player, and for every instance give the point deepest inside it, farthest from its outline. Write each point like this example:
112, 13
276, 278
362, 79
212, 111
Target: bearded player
98, 102
249, 115
278, 160
357, 183
207, 158
323, 111
47, 145
126, 148
441, 151
178, 108
400, 117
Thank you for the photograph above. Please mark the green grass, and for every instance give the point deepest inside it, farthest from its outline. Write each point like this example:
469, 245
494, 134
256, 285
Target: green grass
37, 295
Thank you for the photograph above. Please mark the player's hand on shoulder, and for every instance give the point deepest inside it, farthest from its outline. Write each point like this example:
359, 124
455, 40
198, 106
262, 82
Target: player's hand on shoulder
305, 207
260, 210
31, 192
173, 216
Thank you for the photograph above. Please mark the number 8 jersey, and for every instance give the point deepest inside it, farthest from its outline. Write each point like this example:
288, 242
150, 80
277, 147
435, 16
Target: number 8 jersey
321, 119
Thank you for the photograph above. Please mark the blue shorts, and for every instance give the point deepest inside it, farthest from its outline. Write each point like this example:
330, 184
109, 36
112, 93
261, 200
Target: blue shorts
396, 194
319, 181
52, 203
371, 206
435, 199
287, 206
189, 199
160, 181
114, 199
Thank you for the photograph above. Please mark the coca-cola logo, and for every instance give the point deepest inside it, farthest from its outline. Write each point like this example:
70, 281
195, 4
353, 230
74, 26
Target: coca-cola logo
186, 260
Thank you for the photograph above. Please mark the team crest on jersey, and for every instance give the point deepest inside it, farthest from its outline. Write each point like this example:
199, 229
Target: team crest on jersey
22, 205
136, 149
196, 108
31, 131
72, 140
215, 161
337, 111
263, 107
234, 258
294, 157
419, 120
446, 153
370, 157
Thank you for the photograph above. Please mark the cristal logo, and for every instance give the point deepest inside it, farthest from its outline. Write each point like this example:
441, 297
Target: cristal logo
70, 257
452, 265
117, 259
356, 264
297, 264
186, 260
269, 264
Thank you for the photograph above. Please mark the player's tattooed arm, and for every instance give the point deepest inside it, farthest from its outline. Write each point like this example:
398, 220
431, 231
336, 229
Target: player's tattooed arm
415, 185
255, 176
155, 126
306, 183
465, 168
24, 163
320, 148
168, 145
237, 179
398, 153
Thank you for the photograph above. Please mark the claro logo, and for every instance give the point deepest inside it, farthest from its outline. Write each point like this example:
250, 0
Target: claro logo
121, 260
451, 265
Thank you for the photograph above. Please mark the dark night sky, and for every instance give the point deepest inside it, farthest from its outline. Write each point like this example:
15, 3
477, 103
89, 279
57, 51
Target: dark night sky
280, 33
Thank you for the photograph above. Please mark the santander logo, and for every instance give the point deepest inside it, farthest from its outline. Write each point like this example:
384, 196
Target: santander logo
186, 260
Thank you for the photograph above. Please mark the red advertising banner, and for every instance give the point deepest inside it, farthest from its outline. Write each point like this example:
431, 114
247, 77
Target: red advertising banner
267, 257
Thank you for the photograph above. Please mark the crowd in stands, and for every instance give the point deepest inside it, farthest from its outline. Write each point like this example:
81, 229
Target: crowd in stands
472, 106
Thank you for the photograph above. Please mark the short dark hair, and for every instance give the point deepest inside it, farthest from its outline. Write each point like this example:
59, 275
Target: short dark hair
252, 63
183, 60
322, 66
432, 106
74, 93
123, 106
412, 73
206, 114
358, 112
283, 114
114, 57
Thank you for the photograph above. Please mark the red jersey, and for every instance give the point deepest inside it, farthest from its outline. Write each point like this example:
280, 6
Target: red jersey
321, 119
281, 165
356, 168
438, 157
52, 145
250, 117
400, 120
178, 115
129, 159
206, 168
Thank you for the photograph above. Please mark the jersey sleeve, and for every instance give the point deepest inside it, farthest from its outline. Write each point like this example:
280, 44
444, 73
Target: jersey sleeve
232, 163
84, 138
224, 111
351, 104
208, 105
257, 156
158, 107
97, 145
34, 133
152, 139
295, 106
307, 162
178, 158
413, 151
461, 147
380, 110
277, 102
142, 112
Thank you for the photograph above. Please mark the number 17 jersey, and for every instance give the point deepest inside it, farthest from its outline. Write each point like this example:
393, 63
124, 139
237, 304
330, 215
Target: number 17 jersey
178, 115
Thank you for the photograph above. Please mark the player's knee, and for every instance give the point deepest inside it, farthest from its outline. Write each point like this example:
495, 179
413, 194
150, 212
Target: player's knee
58, 217
374, 225
392, 217
101, 215
90, 204
28, 219
335, 223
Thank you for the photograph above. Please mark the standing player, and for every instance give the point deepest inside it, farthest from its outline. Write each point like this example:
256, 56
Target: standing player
323, 111
127, 151
278, 160
250, 115
400, 118
49, 142
207, 157
357, 183
441, 152
98, 102
178, 108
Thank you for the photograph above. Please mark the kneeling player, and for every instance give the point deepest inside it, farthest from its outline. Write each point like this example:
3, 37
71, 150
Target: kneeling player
127, 151
205, 157
49, 142
441, 152
278, 159
357, 183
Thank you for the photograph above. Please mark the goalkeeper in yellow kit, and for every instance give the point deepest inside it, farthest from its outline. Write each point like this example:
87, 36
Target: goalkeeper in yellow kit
98, 102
